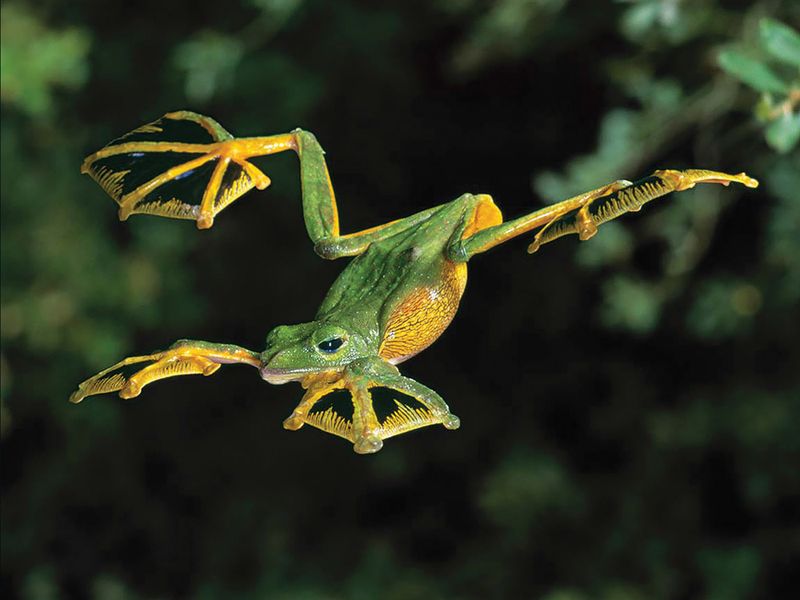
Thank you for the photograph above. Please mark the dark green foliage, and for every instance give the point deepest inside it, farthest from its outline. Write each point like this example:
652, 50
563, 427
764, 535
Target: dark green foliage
629, 406
779, 108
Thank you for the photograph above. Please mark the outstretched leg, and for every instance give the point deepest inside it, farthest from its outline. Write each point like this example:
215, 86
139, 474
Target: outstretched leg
583, 214
187, 166
184, 357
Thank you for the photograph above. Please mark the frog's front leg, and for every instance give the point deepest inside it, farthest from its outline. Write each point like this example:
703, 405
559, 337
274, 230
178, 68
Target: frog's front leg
583, 214
316, 386
184, 357
388, 404
368, 402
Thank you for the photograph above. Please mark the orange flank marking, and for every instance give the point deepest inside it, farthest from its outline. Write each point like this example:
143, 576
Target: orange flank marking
423, 315
485, 215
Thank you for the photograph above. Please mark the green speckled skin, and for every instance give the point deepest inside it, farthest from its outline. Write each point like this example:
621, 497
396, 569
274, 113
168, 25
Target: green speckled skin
374, 282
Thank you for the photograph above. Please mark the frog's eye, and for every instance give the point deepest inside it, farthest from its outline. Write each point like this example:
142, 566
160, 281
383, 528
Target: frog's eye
330, 346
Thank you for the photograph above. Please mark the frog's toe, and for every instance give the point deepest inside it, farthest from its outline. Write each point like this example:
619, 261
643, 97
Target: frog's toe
451, 421
368, 444
130, 390
293, 422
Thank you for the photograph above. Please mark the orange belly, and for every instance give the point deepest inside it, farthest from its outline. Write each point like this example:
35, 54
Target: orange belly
423, 315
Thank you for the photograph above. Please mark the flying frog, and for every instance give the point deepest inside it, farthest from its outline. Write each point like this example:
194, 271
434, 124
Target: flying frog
396, 296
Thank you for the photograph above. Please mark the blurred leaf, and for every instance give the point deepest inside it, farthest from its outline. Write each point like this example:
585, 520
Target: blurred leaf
784, 132
5, 386
631, 305
277, 9
618, 137
525, 489
40, 584
640, 18
723, 308
758, 420
106, 587
506, 28
782, 240
753, 72
612, 244
781, 41
565, 594
730, 574
208, 60
647, 22
35, 59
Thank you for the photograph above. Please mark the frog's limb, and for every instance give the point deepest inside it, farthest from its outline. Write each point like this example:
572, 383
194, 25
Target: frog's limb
187, 166
184, 357
183, 166
351, 244
367, 403
583, 214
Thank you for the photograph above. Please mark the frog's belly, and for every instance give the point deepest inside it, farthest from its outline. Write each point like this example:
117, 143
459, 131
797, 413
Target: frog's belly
423, 315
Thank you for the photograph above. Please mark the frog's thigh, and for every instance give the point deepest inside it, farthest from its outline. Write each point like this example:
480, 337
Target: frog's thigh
351, 244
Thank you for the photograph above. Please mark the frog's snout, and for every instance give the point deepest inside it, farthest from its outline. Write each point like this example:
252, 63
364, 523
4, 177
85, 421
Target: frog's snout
278, 366
278, 376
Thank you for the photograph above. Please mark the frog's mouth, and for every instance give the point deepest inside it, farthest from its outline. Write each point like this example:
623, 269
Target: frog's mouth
278, 376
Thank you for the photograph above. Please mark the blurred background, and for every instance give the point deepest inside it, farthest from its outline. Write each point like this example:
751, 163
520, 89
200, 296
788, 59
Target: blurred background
629, 406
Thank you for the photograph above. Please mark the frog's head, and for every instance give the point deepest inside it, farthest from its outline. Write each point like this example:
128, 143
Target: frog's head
296, 351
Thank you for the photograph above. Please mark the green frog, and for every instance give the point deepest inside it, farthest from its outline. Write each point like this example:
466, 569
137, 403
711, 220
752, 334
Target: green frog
394, 298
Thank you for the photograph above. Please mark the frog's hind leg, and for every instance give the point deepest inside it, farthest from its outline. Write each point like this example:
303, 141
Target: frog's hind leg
583, 214
187, 166
475, 211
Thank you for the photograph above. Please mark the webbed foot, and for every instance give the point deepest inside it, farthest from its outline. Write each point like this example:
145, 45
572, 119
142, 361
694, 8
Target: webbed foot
611, 201
184, 357
585, 226
369, 403
182, 166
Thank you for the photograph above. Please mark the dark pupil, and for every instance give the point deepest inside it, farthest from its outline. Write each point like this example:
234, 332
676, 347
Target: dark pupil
331, 345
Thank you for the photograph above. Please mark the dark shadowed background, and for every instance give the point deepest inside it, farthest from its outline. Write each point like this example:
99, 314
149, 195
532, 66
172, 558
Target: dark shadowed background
629, 405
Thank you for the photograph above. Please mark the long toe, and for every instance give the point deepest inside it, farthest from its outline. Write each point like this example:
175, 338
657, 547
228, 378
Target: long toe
368, 444
293, 422
451, 422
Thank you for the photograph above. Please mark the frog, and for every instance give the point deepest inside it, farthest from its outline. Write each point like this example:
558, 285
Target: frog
395, 297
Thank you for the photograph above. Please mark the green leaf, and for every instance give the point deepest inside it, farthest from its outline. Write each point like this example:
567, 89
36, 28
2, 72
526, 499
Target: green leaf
751, 71
781, 41
784, 132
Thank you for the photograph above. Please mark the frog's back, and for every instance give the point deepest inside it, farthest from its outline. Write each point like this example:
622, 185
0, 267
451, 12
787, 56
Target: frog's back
403, 291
